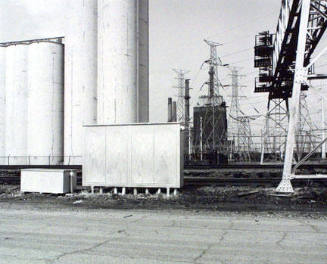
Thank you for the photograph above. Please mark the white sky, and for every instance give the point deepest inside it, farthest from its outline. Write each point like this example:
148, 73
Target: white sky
177, 30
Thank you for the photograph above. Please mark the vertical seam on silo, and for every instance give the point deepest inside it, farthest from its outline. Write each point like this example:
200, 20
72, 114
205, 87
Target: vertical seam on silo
52, 106
71, 103
129, 110
102, 66
137, 61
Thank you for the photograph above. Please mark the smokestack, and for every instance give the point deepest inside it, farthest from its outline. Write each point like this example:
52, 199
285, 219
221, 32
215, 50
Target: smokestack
187, 103
174, 114
170, 109
211, 82
187, 117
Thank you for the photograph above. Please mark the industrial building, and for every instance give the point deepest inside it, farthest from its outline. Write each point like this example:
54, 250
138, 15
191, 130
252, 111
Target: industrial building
83, 99
57, 93
32, 102
210, 131
50, 88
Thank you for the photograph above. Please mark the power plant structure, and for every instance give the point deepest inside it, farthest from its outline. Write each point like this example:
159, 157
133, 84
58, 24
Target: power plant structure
63, 99
83, 99
206, 141
286, 70
275, 56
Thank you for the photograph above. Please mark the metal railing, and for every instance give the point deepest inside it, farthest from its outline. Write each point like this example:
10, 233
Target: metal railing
40, 160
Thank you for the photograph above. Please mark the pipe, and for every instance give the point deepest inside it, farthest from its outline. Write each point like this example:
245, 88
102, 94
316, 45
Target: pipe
174, 114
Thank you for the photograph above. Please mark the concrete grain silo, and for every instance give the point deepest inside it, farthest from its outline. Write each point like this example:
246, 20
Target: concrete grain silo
45, 119
123, 93
80, 76
16, 104
2, 103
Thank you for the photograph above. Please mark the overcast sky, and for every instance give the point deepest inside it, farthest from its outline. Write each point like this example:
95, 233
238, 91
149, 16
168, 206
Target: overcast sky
177, 30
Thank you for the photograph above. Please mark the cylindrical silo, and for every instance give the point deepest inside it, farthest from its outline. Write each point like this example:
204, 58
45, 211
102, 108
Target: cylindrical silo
80, 76
45, 103
2, 103
16, 104
122, 61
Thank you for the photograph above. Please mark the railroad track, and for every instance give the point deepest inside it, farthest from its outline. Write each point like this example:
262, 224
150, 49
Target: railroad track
204, 175
252, 166
253, 182
195, 181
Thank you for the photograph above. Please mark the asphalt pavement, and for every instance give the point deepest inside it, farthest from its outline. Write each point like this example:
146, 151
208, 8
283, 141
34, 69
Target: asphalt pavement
134, 236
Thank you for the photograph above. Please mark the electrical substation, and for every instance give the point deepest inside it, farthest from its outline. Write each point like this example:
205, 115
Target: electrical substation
64, 110
163, 131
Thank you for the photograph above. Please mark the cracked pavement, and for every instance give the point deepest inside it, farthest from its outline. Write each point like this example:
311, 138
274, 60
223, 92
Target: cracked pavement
109, 236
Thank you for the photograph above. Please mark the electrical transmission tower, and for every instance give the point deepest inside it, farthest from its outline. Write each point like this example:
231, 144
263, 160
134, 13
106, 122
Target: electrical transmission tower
277, 117
239, 130
285, 67
305, 137
213, 62
212, 121
275, 131
180, 95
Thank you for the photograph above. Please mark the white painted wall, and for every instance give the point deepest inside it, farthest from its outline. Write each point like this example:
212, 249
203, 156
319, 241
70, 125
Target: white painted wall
134, 155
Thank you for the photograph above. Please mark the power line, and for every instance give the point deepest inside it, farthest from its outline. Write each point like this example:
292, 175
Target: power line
244, 24
236, 52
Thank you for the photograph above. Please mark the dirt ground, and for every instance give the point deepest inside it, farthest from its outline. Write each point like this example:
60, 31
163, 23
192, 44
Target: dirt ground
307, 201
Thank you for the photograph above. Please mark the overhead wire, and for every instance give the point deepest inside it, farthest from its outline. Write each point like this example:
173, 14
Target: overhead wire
255, 19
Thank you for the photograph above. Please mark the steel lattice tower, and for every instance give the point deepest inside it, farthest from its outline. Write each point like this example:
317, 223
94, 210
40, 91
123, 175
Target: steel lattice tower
275, 131
239, 131
286, 67
180, 95
212, 102
213, 62
306, 140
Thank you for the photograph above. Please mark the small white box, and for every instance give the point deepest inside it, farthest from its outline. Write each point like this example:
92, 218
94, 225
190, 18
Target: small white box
47, 180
